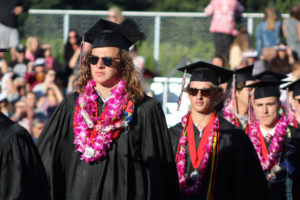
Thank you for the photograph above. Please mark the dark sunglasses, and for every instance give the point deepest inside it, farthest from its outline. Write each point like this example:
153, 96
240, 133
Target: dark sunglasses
194, 91
107, 61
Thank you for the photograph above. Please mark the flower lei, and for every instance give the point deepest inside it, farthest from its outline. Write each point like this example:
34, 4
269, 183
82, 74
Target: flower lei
97, 139
228, 111
181, 159
277, 142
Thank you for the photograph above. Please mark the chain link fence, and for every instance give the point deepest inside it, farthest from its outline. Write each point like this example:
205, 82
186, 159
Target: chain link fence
169, 36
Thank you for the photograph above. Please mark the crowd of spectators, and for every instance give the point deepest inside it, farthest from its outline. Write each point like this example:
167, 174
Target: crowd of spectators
33, 83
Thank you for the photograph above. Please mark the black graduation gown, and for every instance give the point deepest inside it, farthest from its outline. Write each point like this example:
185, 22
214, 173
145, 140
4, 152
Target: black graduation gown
278, 190
22, 174
139, 164
239, 174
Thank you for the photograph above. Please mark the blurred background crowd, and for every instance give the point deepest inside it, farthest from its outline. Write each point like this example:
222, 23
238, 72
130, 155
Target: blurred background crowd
34, 81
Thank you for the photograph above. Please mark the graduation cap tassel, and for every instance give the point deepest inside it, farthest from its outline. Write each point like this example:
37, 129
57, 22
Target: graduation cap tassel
233, 97
250, 110
81, 51
182, 87
290, 113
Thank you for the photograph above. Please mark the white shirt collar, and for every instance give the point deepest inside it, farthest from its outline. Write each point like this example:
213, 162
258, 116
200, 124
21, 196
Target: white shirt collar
265, 132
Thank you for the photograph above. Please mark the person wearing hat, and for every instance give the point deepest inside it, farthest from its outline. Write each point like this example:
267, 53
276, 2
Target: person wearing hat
294, 88
108, 140
35, 73
22, 174
20, 64
215, 160
236, 108
276, 143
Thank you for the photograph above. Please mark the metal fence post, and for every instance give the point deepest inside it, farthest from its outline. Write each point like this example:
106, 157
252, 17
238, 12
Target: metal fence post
66, 27
156, 42
250, 25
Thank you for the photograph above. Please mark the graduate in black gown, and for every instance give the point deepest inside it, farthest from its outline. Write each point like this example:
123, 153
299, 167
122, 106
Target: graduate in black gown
22, 174
294, 88
236, 107
277, 144
215, 159
109, 140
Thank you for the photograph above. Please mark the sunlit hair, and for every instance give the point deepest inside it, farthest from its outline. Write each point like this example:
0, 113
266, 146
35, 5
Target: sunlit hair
127, 72
29, 42
271, 17
242, 39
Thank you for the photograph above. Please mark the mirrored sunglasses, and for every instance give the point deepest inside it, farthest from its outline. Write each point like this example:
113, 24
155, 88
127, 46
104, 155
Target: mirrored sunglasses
107, 61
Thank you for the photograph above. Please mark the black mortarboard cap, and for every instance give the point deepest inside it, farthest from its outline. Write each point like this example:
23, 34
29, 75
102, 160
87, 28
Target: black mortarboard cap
244, 74
294, 86
266, 89
108, 34
203, 71
270, 76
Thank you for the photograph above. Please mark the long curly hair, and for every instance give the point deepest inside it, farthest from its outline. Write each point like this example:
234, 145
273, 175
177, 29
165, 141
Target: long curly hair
127, 72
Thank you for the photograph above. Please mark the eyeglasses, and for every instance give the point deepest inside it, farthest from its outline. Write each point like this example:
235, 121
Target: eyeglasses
107, 61
194, 91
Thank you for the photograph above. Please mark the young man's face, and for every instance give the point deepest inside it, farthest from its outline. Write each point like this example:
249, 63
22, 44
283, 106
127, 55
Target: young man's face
296, 104
243, 94
201, 101
266, 110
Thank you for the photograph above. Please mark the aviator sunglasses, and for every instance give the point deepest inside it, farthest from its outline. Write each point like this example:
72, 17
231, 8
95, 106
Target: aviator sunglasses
107, 61
194, 91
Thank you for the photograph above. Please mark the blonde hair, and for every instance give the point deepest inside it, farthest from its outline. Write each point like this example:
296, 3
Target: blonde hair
242, 39
118, 14
127, 72
271, 17
29, 42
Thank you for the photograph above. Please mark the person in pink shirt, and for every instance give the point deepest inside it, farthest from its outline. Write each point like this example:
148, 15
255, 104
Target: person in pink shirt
222, 25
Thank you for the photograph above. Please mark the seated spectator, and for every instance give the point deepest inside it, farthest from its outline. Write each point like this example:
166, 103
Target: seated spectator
115, 15
50, 100
5, 106
72, 84
20, 115
49, 81
30, 105
268, 33
37, 127
283, 61
19, 90
249, 57
220, 61
32, 45
19, 65
239, 46
37, 74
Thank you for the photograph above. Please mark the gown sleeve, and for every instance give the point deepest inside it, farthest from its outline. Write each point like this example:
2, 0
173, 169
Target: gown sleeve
239, 168
157, 153
53, 147
22, 174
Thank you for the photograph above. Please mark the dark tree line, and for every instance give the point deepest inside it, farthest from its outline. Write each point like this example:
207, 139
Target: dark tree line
155, 5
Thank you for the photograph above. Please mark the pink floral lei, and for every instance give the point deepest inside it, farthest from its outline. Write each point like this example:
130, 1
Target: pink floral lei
115, 117
181, 158
228, 112
277, 142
